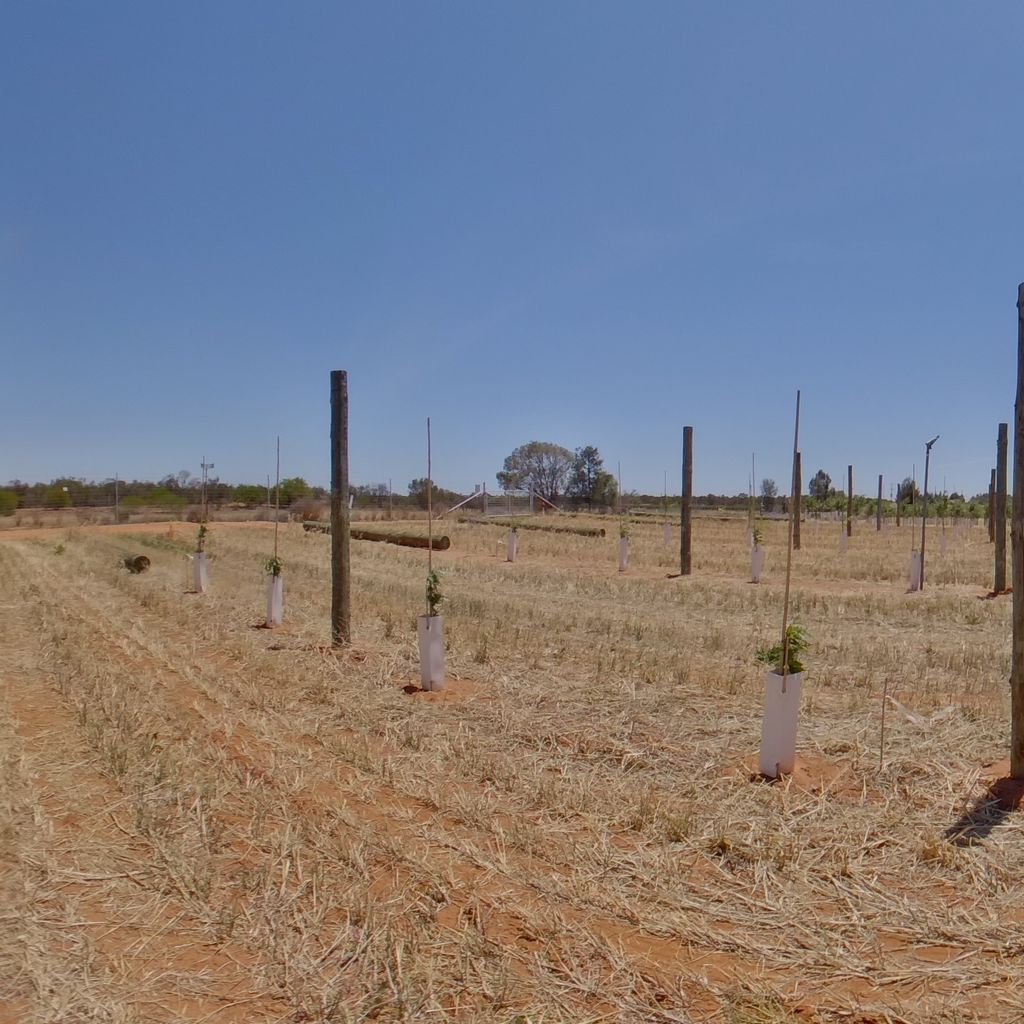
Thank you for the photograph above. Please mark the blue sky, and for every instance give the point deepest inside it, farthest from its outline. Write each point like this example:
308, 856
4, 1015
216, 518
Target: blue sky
581, 222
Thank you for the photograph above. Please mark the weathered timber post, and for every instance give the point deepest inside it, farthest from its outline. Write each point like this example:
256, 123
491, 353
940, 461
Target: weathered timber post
999, 584
1017, 537
878, 507
849, 501
991, 516
684, 511
924, 511
341, 575
798, 486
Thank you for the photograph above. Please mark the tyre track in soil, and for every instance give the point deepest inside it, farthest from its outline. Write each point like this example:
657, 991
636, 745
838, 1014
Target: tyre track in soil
652, 955
109, 937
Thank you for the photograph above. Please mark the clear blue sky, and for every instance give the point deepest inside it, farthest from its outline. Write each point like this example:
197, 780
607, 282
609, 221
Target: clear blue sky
581, 222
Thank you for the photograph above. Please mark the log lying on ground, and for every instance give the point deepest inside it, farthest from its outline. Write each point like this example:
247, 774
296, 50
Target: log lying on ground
136, 563
580, 531
405, 540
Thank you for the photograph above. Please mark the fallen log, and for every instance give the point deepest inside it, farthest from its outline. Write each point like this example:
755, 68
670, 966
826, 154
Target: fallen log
405, 540
136, 564
579, 531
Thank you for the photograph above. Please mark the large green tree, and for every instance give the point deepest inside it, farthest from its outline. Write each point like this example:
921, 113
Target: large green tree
820, 486
587, 465
294, 488
539, 466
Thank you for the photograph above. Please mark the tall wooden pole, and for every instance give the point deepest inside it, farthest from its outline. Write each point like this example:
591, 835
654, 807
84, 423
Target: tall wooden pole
899, 498
798, 486
685, 563
924, 511
999, 584
849, 501
341, 572
991, 517
1017, 535
878, 507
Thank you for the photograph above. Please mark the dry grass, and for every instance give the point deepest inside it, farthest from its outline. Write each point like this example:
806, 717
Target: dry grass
206, 821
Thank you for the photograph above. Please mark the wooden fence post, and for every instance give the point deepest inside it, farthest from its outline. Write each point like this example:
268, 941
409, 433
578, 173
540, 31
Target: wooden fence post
849, 501
999, 584
1017, 536
685, 521
341, 576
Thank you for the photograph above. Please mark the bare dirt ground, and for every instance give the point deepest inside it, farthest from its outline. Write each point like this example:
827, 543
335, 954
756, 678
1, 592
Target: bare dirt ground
206, 821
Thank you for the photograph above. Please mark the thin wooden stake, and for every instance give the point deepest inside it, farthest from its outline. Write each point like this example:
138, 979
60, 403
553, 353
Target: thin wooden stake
797, 498
878, 507
789, 554
430, 510
341, 575
277, 506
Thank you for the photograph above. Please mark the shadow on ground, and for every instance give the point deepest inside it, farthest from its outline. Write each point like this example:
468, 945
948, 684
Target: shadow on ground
991, 809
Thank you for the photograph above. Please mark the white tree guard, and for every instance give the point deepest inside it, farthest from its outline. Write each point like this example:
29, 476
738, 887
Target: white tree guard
666, 533
430, 632
756, 563
200, 579
275, 600
513, 546
623, 554
778, 727
915, 571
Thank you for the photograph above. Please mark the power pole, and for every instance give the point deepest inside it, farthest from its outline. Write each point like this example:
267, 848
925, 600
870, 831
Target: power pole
341, 612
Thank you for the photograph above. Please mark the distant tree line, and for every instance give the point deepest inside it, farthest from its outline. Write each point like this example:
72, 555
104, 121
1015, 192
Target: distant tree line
573, 479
